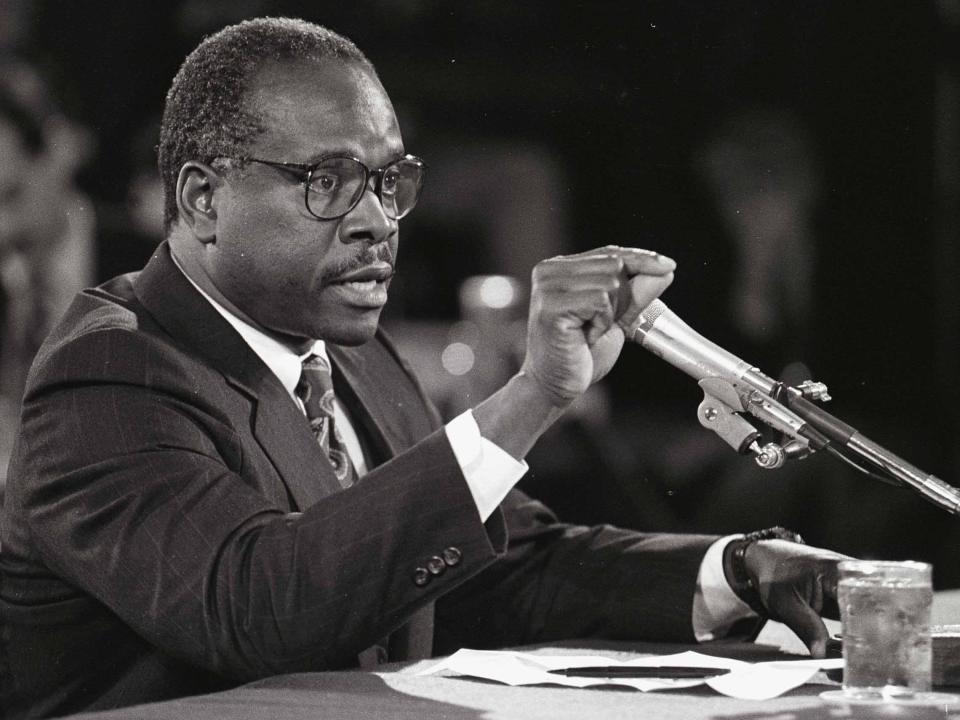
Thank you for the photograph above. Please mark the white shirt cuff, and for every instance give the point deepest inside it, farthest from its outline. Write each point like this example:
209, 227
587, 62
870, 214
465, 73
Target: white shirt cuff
715, 606
490, 471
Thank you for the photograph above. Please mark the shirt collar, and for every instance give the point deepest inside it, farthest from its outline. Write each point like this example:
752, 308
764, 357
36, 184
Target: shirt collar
282, 361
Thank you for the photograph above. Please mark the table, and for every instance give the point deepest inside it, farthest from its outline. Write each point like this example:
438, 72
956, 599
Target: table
398, 693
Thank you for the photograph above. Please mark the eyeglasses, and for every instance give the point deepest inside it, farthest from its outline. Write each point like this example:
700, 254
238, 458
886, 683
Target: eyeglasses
334, 185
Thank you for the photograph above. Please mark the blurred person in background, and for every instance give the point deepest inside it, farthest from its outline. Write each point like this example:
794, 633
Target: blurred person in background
757, 173
761, 168
46, 230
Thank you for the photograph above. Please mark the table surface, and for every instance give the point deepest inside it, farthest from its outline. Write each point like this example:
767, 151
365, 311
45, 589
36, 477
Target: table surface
398, 692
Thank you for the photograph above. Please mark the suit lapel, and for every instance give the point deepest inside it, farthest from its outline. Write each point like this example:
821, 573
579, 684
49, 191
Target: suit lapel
379, 396
285, 436
361, 388
277, 424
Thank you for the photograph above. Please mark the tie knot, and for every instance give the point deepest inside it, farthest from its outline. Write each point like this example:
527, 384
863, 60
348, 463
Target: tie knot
316, 363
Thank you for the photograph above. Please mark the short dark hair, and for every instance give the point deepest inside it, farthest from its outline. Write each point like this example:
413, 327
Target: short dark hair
204, 116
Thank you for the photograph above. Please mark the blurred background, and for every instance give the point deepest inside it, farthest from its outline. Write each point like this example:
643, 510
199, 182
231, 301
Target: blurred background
801, 161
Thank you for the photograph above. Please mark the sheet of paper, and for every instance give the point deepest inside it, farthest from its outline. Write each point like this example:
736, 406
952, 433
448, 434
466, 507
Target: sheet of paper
754, 681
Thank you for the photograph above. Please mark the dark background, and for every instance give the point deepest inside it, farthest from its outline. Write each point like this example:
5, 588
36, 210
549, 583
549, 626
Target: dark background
620, 95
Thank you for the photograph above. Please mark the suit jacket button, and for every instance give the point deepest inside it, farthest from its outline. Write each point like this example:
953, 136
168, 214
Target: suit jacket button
452, 555
436, 565
421, 576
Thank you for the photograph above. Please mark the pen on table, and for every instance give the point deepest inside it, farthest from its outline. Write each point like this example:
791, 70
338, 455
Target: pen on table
641, 671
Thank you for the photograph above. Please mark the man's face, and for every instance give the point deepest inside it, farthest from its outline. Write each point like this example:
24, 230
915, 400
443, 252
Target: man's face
295, 275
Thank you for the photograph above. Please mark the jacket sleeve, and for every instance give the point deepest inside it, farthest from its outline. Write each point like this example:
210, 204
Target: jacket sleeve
130, 488
560, 581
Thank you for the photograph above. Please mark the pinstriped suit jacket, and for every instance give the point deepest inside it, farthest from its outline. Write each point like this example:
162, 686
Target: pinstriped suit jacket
171, 526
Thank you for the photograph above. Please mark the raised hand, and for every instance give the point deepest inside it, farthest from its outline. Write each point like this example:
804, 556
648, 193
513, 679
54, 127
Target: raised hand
579, 307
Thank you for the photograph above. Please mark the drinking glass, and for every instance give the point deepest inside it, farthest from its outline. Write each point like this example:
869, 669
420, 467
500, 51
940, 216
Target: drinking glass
885, 616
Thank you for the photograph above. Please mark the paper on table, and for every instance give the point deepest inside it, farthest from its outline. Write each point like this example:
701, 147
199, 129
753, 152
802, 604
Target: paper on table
751, 681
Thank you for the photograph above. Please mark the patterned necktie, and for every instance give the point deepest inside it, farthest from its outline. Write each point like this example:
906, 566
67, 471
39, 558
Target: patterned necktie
315, 390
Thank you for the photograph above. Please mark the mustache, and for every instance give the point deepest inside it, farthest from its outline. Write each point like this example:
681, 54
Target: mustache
368, 256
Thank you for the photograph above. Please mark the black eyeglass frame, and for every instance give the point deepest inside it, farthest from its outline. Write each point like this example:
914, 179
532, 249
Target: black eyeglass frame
304, 173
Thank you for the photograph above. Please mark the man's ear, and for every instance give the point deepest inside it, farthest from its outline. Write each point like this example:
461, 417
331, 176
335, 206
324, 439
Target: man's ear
197, 187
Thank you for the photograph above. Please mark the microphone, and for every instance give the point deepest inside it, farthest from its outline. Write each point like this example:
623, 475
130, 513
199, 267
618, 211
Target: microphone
739, 386
659, 330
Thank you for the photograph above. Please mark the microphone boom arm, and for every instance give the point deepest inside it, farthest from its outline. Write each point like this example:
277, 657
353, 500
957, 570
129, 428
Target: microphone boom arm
733, 388
932, 488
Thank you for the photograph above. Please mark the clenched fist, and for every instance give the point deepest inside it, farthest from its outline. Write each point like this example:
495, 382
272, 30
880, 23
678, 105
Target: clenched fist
580, 306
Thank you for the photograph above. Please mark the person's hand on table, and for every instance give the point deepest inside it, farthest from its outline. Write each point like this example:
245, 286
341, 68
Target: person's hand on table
796, 584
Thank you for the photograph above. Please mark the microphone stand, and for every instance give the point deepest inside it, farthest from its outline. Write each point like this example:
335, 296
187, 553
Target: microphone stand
932, 488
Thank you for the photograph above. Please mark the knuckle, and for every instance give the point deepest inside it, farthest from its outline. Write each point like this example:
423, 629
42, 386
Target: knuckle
599, 297
541, 269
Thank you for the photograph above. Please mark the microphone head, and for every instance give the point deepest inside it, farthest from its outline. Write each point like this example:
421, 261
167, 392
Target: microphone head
653, 311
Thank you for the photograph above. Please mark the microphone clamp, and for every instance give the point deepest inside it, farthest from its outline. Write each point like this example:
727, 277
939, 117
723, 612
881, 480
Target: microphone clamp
723, 408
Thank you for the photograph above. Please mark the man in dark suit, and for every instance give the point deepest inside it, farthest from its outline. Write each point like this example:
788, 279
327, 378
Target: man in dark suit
183, 514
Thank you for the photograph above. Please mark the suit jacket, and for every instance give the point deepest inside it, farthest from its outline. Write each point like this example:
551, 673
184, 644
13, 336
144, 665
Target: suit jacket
171, 526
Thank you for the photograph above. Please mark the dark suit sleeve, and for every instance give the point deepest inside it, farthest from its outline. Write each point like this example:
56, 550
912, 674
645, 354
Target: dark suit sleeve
562, 581
134, 488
